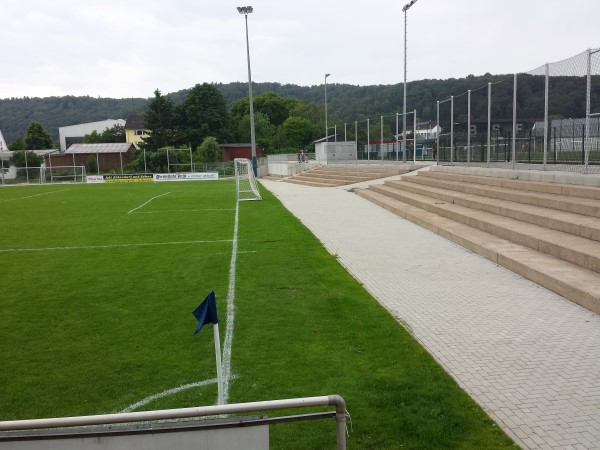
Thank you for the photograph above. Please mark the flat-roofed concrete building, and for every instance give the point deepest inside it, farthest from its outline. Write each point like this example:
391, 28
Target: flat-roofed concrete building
73, 134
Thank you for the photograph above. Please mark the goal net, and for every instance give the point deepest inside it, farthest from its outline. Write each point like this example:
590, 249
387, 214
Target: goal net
245, 181
63, 174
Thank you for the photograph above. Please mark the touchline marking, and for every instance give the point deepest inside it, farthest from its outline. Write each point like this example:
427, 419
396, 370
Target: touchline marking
230, 309
226, 362
144, 204
94, 247
184, 210
31, 196
183, 387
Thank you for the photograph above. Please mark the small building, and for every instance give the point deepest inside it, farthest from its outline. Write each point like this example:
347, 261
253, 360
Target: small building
231, 151
108, 157
134, 129
326, 152
3, 146
73, 134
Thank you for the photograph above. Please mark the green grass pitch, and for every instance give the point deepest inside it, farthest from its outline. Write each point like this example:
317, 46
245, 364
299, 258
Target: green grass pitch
97, 286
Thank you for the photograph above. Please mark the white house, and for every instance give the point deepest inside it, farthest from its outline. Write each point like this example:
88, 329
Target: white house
3, 146
74, 134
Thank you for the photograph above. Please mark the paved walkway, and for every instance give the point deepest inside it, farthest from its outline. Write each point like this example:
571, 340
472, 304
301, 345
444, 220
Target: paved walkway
529, 357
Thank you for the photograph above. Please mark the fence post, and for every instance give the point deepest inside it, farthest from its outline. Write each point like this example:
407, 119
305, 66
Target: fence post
381, 142
397, 137
368, 141
356, 137
489, 123
469, 127
437, 134
514, 132
588, 90
546, 122
415, 137
452, 130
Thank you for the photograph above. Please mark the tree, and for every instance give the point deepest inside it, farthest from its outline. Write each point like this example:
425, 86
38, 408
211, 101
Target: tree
265, 131
26, 159
276, 108
17, 144
93, 138
110, 135
161, 120
36, 137
297, 133
203, 114
209, 150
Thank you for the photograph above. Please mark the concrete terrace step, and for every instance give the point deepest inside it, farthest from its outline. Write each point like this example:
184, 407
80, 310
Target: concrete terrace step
574, 249
578, 284
310, 182
561, 202
328, 176
536, 186
576, 224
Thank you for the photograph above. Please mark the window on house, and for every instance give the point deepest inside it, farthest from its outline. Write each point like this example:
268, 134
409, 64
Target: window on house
140, 133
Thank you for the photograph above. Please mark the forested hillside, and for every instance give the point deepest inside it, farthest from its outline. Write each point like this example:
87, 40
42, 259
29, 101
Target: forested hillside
346, 103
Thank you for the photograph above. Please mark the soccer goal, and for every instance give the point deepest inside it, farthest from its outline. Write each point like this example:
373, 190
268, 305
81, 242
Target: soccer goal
245, 181
63, 174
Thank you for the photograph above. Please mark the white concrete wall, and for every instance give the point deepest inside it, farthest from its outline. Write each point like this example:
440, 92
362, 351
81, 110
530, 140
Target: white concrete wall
283, 169
335, 151
85, 128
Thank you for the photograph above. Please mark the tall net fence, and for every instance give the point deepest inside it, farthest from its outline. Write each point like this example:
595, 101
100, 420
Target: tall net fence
547, 118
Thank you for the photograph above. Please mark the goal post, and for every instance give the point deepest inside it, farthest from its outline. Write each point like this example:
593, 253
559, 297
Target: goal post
63, 174
245, 181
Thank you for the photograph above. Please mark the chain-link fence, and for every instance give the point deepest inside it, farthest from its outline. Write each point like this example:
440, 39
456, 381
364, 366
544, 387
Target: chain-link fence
546, 118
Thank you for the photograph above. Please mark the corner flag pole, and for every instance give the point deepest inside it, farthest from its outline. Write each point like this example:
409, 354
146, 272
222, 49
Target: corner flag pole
207, 313
219, 368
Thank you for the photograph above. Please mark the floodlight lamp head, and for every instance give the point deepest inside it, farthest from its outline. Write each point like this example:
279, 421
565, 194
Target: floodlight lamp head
326, 75
408, 5
244, 9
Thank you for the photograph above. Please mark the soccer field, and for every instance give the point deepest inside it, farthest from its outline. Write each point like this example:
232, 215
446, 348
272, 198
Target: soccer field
97, 288
98, 285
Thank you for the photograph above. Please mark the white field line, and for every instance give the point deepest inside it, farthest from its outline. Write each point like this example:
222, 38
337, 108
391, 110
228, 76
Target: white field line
95, 247
144, 204
183, 387
230, 310
31, 196
226, 362
183, 210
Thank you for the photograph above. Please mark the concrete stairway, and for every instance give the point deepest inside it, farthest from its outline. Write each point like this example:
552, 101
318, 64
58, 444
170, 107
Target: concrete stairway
547, 232
328, 176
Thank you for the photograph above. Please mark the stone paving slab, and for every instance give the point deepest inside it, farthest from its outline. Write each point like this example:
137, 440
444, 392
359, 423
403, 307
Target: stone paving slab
528, 356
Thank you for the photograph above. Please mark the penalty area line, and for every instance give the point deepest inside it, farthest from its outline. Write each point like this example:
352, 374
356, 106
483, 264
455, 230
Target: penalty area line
96, 247
144, 204
31, 196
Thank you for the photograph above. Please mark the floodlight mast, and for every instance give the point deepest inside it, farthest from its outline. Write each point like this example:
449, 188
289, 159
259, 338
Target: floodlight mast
404, 9
326, 127
245, 10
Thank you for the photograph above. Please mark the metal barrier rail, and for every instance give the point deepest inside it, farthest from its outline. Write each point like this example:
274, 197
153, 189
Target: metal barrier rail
181, 413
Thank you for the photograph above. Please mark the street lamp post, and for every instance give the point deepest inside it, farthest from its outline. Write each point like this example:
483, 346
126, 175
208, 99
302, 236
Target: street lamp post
245, 10
326, 127
404, 9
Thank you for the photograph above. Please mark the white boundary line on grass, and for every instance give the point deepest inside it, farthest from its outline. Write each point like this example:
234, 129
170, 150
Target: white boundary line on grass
94, 247
185, 210
183, 387
144, 204
31, 196
230, 309
226, 363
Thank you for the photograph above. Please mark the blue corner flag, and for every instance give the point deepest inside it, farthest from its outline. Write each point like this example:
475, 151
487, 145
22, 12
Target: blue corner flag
206, 312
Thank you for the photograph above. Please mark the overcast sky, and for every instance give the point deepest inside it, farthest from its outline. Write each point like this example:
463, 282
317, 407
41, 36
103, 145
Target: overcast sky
129, 48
